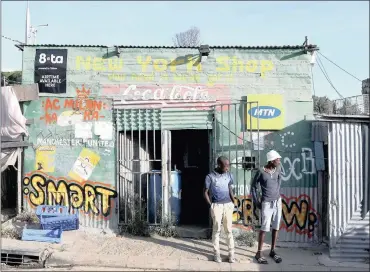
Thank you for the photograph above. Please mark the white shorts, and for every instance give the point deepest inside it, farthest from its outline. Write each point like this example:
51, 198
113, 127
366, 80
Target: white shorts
271, 212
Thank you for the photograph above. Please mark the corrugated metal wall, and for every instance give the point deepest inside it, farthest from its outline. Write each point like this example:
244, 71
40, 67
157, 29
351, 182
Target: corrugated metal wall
348, 145
366, 170
345, 176
137, 119
304, 228
186, 119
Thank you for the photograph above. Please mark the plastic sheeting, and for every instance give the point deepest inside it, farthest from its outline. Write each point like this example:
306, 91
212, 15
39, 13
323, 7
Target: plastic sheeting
8, 157
13, 123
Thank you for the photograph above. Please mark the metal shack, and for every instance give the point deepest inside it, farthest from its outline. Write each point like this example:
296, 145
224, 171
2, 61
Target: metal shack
124, 130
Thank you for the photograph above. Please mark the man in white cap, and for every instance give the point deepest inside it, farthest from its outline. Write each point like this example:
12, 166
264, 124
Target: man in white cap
269, 178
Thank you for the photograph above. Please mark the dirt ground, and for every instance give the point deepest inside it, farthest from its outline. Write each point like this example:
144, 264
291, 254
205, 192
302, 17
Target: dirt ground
74, 268
157, 246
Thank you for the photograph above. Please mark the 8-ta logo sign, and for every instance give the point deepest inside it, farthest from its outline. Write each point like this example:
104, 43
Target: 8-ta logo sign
43, 58
51, 70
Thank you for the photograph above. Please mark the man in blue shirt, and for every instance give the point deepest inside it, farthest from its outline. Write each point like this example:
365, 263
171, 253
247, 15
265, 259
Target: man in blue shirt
219, 184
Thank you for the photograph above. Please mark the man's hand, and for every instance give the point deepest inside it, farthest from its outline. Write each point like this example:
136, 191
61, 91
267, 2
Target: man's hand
206, 196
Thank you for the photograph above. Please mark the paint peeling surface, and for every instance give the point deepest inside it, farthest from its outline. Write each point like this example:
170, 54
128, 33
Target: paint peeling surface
71, 161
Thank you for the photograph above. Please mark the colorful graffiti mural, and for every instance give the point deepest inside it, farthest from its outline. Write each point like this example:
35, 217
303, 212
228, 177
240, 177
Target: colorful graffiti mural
81, 108
90, 197
69, 141
298, 214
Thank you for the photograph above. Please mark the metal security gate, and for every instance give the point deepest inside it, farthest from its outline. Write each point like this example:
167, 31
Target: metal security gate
236, 136
143, 160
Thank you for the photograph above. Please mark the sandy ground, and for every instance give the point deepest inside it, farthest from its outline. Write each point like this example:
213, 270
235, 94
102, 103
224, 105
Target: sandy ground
75, 268
156, 246
83, 244
83, 241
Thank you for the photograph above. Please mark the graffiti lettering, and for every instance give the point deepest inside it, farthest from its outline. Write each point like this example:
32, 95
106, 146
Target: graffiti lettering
298, 214
45, 190
73, 142
80, 109
225, 64
244, 211
50, 105
238, 65
306, 163
98, 64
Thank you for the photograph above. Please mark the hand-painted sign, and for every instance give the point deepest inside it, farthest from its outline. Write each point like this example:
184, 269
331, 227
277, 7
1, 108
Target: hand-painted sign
51, 70
267, 114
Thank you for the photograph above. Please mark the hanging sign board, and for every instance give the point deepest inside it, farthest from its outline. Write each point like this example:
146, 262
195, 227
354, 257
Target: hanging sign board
51, 70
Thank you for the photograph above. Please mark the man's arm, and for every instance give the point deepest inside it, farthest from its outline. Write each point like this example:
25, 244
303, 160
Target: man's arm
231, 185
254, 189
206, 190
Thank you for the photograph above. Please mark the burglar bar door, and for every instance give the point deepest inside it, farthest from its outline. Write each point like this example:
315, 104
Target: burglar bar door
140, 167
234, 138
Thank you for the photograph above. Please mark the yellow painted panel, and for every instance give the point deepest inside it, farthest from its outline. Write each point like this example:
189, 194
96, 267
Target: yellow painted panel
269, 113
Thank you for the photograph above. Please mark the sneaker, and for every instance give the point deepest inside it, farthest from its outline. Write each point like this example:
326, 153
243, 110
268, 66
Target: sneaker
217, 258
232, 258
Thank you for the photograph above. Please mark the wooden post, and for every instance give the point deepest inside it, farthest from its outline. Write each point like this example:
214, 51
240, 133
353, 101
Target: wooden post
19, 181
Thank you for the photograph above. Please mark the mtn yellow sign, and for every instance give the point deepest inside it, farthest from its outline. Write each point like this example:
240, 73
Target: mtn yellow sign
268, 114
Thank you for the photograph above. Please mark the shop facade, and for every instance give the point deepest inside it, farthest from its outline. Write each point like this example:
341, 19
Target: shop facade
119, 131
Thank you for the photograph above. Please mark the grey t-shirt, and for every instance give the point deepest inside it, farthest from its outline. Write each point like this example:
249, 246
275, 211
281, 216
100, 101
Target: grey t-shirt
270, 185
218, 184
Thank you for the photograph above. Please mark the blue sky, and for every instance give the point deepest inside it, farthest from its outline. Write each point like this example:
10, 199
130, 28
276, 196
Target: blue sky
340, 29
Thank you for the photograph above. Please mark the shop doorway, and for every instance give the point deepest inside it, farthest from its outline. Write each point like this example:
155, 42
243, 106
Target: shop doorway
190, 150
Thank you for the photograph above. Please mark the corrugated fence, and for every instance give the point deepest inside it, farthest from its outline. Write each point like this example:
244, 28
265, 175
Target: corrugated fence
348, 186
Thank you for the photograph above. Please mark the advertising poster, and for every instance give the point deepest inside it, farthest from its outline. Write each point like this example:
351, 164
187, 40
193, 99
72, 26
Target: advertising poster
84, 165
45, 159
268, 114
51, 70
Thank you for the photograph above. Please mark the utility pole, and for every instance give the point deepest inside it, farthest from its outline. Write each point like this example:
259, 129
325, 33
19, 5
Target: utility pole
28, 25
31, 31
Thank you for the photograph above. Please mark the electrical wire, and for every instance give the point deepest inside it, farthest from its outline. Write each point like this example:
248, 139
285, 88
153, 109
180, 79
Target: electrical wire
10, 39
340, 67
324, 70
327, 77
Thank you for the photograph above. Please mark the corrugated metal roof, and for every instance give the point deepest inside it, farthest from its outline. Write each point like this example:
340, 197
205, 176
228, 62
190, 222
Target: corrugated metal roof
311, 46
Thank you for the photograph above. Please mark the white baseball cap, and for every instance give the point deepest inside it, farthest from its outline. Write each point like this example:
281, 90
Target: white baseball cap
272, 155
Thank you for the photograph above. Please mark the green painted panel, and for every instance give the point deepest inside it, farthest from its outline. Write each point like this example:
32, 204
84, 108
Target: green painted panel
73, 148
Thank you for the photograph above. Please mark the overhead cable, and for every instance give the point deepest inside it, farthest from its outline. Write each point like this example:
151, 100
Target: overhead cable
10, 39
340, 67
327, 77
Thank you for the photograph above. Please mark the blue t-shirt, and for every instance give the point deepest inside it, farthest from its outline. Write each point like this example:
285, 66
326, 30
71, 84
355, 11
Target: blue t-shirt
218, 185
